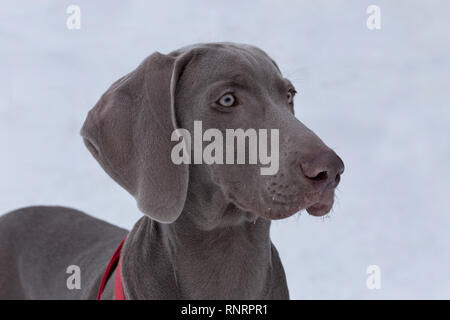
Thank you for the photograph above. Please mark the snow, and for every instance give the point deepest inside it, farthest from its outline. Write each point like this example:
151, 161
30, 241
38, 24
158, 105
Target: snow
380, 98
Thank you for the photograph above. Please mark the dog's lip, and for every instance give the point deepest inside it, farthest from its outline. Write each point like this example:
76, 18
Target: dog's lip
271, 212
319, 209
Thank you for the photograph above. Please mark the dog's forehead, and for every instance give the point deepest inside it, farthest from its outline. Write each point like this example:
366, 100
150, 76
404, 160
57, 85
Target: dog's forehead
229, 60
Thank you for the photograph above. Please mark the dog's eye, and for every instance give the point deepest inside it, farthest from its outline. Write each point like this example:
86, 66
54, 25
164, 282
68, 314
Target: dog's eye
290, 96
227, 100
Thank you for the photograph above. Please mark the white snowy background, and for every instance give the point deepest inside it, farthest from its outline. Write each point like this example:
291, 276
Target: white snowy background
380, 98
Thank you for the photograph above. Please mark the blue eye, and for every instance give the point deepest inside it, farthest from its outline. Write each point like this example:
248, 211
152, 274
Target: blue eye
290, 96
227, 100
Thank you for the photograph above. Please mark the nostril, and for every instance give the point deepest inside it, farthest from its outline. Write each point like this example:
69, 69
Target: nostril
323, 175
337, 179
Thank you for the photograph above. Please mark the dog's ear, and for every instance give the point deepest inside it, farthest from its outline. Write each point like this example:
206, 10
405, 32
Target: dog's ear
129, 133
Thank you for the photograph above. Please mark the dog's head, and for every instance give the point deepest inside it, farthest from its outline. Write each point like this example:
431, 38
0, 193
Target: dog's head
216, 98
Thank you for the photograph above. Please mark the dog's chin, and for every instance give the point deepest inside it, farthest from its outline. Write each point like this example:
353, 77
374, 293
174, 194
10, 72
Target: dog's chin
270, 211
277, 211
319, 209
274, 209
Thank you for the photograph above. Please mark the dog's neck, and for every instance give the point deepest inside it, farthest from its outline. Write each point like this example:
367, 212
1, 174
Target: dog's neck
192, 260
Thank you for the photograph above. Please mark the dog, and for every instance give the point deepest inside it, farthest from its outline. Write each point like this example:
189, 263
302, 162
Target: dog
205, 229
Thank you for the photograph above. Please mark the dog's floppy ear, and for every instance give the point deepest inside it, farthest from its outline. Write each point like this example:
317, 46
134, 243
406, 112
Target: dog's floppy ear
129, 133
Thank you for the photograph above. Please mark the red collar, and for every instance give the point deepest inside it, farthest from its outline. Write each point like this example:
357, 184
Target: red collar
118, 286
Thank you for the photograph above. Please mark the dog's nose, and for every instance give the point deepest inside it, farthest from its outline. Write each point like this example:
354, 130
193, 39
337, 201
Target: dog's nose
325, 168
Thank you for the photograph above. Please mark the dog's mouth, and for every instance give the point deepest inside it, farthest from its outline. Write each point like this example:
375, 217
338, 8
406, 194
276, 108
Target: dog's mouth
323, 205
282, 206
319, 209
315, 204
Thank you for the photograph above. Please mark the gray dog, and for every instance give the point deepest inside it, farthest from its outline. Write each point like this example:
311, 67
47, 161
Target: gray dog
205, 232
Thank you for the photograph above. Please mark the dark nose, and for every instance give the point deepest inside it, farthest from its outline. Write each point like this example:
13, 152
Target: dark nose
325, 168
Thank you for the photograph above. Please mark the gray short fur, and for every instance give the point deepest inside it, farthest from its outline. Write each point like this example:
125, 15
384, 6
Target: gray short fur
205, 232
